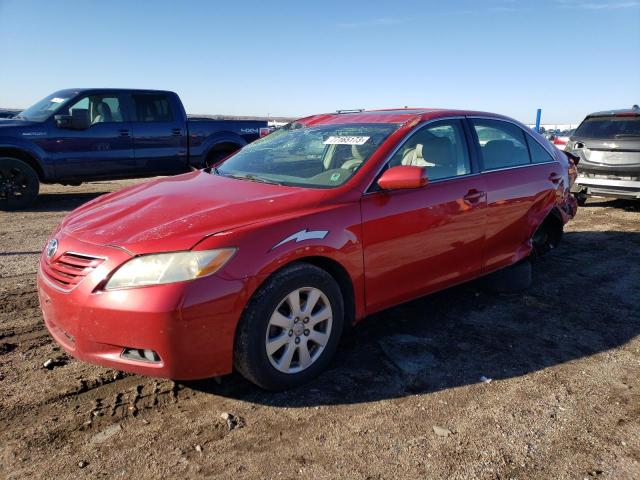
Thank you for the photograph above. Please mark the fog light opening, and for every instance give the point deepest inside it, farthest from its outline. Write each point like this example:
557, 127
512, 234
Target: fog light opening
141, 355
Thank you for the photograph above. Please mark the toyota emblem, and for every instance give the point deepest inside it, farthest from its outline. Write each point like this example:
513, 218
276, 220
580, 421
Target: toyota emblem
51, 248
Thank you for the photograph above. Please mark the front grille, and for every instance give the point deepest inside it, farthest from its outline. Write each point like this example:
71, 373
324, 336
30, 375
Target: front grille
70, 268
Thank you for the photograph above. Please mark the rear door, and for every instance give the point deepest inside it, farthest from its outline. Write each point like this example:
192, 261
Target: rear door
104, 150
159, 134
421, 240
522, 180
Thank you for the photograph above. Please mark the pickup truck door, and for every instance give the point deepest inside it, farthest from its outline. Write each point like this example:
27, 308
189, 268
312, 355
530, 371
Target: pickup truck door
104, 150
159, 134
420, 240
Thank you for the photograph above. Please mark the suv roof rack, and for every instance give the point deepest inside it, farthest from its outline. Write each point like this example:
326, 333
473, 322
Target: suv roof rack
351, 110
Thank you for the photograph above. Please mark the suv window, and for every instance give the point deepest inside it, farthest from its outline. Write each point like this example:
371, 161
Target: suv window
502, 144
538, 153
609, 127
151, 108
102, 108
440, 147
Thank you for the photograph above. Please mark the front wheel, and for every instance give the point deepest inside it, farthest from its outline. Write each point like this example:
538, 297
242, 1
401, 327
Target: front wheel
290, 329
19, 185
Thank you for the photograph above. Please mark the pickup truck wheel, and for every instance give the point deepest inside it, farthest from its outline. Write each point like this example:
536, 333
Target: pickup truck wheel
290, 329
19, 185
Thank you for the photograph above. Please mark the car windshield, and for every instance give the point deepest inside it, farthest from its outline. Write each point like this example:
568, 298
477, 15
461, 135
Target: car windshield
609, 127
45, 107
322, 156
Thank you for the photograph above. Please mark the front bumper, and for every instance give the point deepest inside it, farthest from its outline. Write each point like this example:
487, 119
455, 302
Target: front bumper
190, 325
607, 187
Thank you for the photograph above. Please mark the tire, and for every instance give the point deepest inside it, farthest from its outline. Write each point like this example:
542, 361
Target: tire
269, 322
217, 156
19, 184
581, 198
514, 278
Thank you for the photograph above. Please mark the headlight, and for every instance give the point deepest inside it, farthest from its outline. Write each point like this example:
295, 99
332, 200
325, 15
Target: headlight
169, 267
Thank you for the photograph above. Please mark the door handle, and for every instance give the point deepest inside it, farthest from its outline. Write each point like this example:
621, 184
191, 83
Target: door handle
176, 132
124, 132
474, 196
555, 178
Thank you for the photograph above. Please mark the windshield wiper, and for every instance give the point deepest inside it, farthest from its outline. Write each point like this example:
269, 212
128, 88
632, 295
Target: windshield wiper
251, 178
622, 135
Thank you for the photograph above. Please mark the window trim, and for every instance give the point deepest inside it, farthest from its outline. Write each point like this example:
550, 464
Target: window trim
475, 167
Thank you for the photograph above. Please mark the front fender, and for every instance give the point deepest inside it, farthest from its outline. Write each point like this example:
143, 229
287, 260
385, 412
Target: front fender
31, 150
268, 246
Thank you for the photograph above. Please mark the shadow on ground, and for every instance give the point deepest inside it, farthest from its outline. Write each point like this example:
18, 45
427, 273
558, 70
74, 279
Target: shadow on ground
583, 301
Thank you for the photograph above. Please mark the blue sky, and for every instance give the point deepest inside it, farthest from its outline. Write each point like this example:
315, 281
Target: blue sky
569, 57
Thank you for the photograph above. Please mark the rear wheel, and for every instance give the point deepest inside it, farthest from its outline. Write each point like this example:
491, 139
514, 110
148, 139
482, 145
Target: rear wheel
19, 185
290, 329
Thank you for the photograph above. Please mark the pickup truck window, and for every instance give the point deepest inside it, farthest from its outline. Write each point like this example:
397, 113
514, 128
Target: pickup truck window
102, 108
323, 156
151, 108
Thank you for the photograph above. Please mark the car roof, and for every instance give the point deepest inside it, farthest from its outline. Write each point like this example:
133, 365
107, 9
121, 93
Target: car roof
118, 90
635, 110
393, 115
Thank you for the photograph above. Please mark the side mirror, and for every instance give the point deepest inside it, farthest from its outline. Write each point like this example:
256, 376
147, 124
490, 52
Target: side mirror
78, 120
402, 177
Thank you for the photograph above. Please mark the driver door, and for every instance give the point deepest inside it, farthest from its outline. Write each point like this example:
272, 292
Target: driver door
417, 241
104, 150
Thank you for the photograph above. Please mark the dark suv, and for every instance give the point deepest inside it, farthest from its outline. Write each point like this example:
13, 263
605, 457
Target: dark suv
608, 144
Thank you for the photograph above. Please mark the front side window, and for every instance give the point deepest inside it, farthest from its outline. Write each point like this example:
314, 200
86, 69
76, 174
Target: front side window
101, 108
440, 147
151, 108
321, 156
502, 144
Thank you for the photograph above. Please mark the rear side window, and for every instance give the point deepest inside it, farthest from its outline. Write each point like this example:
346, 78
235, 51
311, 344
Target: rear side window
538, 153
151, 108
609, 127
502, 144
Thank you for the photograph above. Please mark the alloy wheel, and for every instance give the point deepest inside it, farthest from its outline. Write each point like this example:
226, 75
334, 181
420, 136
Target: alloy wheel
298, 330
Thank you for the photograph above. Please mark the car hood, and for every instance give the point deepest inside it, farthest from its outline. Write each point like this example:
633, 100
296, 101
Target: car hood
12, 122
175, 213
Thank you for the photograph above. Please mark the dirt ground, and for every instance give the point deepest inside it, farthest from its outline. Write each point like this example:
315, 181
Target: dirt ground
563, 402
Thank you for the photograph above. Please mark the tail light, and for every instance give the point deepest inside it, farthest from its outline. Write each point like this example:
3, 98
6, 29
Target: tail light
264, 131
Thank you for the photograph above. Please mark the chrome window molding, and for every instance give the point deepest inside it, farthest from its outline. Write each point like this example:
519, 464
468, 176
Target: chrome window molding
419, 126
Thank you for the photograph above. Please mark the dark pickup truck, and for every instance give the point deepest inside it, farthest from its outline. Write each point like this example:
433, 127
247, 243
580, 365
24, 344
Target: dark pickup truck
79, 135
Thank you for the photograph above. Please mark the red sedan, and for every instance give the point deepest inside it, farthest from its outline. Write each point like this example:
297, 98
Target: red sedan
261, 262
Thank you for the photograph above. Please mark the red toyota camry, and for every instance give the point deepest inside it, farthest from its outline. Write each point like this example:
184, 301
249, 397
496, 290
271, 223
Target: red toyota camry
260, 262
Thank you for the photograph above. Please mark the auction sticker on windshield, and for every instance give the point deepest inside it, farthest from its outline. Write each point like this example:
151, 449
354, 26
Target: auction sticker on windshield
345, 140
